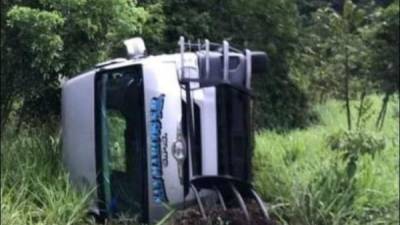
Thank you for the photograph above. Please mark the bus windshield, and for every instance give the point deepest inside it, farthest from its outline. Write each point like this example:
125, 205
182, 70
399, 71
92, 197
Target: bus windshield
121, 141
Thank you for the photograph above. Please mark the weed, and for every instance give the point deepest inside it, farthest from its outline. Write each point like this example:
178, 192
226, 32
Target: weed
297, 173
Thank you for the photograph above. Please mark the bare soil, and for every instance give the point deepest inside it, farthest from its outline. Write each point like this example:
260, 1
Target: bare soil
218, 216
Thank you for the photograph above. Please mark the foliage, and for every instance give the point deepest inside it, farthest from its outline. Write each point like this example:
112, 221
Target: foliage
354, 144
154, 27
333, 44
304, 182
383, 37
318, 50
301, 179
116, 126
34, 187
45, 40
348, 53
335, 49
84, 32
269, 26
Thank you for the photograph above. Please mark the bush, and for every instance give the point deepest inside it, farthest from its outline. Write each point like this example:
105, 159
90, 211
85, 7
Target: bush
356, 143
280, 104
353, 144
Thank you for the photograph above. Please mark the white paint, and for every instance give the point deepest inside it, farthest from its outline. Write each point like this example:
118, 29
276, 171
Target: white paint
206, 100
78, 130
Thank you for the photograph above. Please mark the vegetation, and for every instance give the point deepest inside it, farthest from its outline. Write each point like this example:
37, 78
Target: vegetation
34, 186
317, 49
44, 41
300, 174
327, 111
317, 176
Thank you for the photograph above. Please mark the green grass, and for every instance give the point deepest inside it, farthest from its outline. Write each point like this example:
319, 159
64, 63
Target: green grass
303, 181
306, 183
34, 186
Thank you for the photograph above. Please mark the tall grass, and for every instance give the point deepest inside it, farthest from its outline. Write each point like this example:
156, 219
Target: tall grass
307, 183
34, 186
303, 181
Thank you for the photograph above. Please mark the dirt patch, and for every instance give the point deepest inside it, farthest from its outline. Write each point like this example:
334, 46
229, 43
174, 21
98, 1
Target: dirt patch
218, 216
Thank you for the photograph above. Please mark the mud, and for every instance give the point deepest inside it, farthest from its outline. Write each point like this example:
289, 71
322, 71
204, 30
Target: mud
218, 216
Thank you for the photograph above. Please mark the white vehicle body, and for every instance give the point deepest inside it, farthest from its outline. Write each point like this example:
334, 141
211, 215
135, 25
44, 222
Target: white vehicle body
154, 127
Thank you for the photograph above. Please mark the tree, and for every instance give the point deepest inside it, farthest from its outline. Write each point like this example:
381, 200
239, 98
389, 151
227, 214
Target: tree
45, 40
384, 40
271, 26
334, 55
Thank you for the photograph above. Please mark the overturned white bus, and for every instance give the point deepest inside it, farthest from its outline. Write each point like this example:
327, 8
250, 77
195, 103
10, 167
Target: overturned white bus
152, 130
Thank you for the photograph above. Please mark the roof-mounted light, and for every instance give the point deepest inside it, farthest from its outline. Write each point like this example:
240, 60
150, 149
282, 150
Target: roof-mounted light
135, 48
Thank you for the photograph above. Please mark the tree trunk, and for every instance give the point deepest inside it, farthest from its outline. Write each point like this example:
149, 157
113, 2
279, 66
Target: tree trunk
346, 88
382, 113
383, 116
361, 108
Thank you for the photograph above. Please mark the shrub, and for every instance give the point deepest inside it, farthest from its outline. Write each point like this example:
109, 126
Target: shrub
353, 144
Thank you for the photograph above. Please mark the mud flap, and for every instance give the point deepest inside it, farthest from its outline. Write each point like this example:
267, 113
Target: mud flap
228, 190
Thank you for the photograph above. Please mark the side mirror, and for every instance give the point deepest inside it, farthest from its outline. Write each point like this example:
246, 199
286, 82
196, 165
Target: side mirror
259, 61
